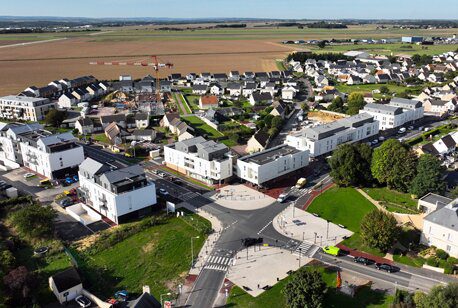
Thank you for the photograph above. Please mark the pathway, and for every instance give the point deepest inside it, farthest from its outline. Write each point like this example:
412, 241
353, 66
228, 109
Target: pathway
179, 100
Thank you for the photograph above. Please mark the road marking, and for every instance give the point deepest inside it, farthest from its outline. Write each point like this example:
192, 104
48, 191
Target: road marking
263, 228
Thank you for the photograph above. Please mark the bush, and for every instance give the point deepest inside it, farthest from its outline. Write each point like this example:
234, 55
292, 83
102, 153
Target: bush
35, 221
441, 254
432, 261
452, 260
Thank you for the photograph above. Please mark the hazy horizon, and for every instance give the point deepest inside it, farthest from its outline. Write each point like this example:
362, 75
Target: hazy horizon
260, 9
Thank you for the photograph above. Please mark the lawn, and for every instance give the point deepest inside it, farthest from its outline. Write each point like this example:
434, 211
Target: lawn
100, 138
158, 256
275, 298
394, 201
345, 206
202, 127
367, 88
193, 101
340, 205
408, 260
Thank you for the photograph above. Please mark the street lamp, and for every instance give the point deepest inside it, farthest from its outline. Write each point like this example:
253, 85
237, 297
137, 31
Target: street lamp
192, 250
300, 254
167, 294
314, 242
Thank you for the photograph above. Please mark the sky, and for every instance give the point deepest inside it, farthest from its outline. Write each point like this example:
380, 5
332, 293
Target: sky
281, 9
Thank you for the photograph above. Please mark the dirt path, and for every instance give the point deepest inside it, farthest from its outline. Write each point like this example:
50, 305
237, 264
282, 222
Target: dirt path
179, 100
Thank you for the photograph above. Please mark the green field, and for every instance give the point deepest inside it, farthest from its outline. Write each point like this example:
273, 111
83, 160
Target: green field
368, 88
202, 127
275, 298
345, 206
158, 256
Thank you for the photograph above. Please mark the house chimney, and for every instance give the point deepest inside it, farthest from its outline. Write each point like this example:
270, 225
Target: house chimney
146, 289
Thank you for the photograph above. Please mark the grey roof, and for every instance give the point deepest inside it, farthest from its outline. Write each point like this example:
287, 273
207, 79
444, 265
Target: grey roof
66, 280
405, 103
211, 146
382, 108
449, 141
270, 155
57, 138
113, 118
437, 102
199, 87
22, 128
446, 216
435, 199
145, 300
93, 167
193, 141
141, 116
123, 173
325, 130
85, 121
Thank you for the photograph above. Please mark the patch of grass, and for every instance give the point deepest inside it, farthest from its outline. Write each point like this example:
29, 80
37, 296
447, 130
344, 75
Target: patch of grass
159, 256
393, 200
274, 297
193, 101
342, 205
280, 65
202, 127
356, 242
409, 260
368, 88
100, 138
185, 104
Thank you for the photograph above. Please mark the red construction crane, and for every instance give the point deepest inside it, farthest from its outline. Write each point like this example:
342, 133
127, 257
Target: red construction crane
154, 63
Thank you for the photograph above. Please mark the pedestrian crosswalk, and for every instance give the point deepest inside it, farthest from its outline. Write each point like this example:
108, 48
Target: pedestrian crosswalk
218, 263
188, 196
306, 249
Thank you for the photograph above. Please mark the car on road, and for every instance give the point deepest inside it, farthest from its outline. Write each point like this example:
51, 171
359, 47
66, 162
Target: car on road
381, 138
162, 174
250, 241
282, 198
75, 178
385, 267
374, 142
65, 202
332, 250
402, 130
362, 260
83, 301
155, 172
163, 192
28, 175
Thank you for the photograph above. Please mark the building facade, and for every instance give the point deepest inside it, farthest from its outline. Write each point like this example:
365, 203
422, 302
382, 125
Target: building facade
24, 108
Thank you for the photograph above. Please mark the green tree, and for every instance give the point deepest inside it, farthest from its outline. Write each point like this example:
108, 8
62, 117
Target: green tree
454, 192
379, 230
321, 44
273, 131
304, 106
55, 117
268, 120
384, 90
306, 289
351, 164
277, 122
337, 105
35, 221
439, 297
429, 176
355, 103
394, 165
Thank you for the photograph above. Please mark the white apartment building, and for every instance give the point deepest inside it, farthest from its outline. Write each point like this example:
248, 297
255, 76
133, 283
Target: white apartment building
53, 156
116, 191
395, 114
262, 167
323, 139
203, 160
440, 229
24, 108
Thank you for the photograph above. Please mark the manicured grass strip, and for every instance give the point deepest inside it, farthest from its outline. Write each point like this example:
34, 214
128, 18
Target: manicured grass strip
202, 127
394, 201
185, 104
416, 262
100, 138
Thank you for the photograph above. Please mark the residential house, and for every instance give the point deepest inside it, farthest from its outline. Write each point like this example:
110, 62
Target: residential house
166, 86
268, 165
199, 89
353, 80
120, 119
66, 285
234, 89
438, 107
24, 108
260, 98
115, 190
198, 158
440, 229
279, 110
141, 120
249, 88
168, 118
115, 133
258, 142
67, 100
445, 145
432, 202
208, 101
234, 75
143, 135
84, 125
288, 93
216, 89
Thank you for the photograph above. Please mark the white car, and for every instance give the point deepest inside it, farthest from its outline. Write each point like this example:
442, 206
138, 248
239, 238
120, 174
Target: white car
83, 301
374, 142
163, 192
381, 138
411, 128
402, 130
28, 175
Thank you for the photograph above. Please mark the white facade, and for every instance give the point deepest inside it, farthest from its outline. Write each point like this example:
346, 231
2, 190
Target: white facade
24, 108
440, 229
325, 138
193, 164
394, 115
271, 164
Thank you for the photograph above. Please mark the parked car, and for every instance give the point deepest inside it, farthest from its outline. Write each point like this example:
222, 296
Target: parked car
83, 301
402, 130
374, 142
282, 198
381, 138
155, 171
69, 180
411, 127
385, 267
363, 260
163, 192
65, 202
332, 250
75, 178
29, 175
162, 174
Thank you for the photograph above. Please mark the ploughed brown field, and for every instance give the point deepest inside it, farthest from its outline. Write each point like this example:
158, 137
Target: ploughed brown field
39, 64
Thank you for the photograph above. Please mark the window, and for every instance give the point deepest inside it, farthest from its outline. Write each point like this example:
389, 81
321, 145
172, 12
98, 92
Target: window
448, 248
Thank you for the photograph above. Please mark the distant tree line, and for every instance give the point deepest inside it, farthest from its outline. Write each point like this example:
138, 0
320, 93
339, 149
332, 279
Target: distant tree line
326, 25
231, 26
303, 56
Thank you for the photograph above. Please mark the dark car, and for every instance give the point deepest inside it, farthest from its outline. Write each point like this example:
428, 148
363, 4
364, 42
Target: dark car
83, 301
75, 178
386, 267
65, 202
249, 241
363, 260
64, 183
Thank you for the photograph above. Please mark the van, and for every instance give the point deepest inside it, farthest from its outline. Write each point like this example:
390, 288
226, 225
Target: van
301, 183
282, 198
332, 250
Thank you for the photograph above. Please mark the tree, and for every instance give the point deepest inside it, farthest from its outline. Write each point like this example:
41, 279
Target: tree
337, 105
321, 44
268, 120
351, 164
35, 220
379, 230
429, 176
384, 90
439, 297
393, 164
55, 117
277, 122
273, 131
305, 290
355, 103
304, 106
17, 281
454, 192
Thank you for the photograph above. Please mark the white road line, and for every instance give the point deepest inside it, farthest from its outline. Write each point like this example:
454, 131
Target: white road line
263, 228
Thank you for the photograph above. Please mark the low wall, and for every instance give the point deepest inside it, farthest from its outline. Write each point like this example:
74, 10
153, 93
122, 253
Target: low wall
100, 303
83, 213
433, 268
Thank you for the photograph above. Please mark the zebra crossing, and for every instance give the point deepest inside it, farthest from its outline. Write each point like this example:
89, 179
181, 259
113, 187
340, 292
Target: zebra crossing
218, 263
188, 196
306, 249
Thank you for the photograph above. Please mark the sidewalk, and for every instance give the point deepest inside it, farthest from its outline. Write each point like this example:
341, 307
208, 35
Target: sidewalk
315, 193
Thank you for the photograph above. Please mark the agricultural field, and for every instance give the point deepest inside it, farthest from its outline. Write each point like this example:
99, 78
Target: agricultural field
255, 48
